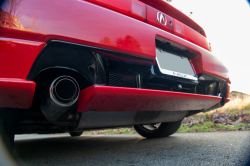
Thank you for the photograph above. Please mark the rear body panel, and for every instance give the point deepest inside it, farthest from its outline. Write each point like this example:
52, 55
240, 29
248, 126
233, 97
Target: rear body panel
17, 57
96, 26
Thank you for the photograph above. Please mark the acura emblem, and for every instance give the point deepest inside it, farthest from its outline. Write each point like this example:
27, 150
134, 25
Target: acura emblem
161, 18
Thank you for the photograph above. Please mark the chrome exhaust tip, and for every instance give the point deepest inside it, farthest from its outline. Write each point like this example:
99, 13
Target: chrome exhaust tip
63, 93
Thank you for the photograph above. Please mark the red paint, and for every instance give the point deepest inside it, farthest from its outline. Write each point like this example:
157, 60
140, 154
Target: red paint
17, 57
138, 10
173, 12
152, 19
197, 65
228, 93
228, 90
227, 100
189, 34
16, 93
93, 25
212, 66
123, 6
126, 7
108, 98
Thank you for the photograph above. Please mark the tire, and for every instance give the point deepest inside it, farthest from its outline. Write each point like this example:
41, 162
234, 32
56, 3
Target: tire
162, 130
75, 134
8, 124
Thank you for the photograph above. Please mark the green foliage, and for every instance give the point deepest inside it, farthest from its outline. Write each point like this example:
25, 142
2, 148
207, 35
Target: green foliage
206, 116
209, 127
111, 131
239, 125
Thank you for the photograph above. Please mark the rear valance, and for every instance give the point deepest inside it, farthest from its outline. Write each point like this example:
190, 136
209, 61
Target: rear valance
108, 98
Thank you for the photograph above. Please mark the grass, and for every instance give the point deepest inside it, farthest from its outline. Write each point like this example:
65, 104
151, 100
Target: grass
111, 131
235, 115
239, 101
209, 127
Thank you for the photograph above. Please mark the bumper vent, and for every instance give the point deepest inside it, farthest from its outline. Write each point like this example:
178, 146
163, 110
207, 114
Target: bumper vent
126, 79
122, 79
154, 86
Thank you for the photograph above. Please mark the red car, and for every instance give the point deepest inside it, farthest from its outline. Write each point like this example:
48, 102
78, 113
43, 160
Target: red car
75, 65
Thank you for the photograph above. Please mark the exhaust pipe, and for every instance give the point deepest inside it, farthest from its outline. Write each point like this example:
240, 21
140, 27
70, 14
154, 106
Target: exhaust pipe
63, 93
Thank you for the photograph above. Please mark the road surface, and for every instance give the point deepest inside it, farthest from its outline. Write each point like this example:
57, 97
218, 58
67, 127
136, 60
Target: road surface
214, 148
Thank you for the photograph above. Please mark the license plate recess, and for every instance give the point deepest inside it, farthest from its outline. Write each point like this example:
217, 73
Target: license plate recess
174, 65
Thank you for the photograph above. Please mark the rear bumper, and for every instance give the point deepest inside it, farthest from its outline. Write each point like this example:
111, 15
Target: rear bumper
107, 98
16, 93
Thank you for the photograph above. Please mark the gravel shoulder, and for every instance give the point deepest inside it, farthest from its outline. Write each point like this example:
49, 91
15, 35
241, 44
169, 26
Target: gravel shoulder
211, 148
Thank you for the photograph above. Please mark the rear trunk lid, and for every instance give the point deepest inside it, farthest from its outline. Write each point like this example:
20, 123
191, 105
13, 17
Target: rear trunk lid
162, 15
175, 13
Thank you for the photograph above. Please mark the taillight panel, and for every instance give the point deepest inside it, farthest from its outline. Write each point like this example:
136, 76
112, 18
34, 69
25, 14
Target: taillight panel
145, 13
138, 10
123, 6
132, 8
166, 21
178, 28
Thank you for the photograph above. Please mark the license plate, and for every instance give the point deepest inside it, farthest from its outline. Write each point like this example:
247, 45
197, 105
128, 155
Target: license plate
174, 65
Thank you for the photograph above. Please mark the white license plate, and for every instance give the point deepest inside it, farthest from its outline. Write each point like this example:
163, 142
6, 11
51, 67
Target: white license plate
174, 65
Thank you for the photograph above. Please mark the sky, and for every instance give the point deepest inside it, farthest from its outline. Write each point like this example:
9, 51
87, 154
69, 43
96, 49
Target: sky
227, 26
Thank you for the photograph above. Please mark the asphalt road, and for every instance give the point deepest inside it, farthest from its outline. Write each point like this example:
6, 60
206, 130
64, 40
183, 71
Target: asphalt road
215, 148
